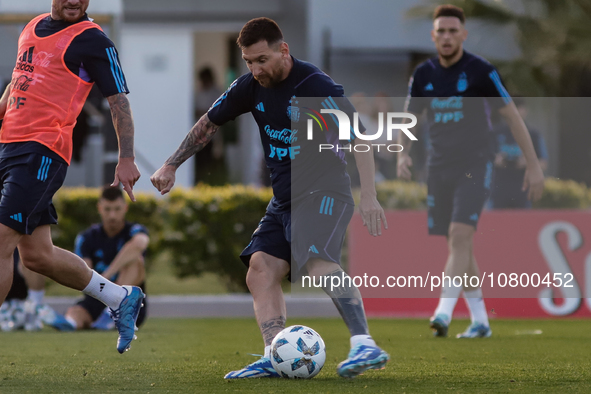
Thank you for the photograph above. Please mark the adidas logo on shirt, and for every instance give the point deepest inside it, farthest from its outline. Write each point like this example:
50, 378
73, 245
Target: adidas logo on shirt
25, 61
260, 107
429, 87
313, 249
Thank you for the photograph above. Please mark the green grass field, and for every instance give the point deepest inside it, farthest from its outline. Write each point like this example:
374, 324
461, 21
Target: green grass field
192, 356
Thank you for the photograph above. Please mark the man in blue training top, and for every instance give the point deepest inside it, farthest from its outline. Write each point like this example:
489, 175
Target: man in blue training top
311, 207
457, 90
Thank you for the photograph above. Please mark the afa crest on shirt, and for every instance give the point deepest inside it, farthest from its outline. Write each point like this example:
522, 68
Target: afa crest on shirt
462, 82
293, 112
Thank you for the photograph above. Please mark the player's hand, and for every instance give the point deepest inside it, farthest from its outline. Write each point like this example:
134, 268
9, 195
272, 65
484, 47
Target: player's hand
372, 214
403, 167
534, 180
127, 174
164, 178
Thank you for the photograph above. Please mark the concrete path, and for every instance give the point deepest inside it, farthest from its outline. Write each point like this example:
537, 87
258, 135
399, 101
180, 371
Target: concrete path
230, 305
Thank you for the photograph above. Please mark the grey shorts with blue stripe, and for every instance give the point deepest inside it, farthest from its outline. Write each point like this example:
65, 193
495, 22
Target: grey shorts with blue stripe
314, 229
29, 182
457, 195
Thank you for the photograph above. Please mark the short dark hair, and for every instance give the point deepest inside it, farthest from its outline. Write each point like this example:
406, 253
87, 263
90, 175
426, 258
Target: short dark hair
259, 29
111, 193
449, 10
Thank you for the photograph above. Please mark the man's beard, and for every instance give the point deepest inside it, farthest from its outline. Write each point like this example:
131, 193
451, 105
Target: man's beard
452, 55
271, 82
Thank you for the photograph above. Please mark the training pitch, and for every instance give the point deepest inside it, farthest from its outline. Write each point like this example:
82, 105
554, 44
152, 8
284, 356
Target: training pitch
193, 355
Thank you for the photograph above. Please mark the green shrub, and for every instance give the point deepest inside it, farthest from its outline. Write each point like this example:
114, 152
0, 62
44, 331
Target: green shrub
209, 226
559, 194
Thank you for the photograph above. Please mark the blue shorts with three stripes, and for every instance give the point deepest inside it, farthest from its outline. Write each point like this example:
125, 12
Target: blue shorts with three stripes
29, 182
314, 229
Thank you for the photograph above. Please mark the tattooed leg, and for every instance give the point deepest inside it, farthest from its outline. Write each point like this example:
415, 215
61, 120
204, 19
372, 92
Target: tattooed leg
264, 277
271, 328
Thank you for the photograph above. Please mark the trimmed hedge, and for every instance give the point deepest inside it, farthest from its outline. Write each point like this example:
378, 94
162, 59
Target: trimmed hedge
559, 194
204, 229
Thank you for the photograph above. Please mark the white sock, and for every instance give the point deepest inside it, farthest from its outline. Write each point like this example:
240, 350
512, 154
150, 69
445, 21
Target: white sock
366, 340
72, 322
105, 291
36, 296
475, 304
267, 351
447, 301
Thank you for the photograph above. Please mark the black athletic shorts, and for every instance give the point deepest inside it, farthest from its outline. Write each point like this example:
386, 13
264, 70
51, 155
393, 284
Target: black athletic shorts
29, 182
457, 195
94, 307
315, 228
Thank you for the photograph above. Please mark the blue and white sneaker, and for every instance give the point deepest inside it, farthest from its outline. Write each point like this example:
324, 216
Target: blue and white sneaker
476, 330
54, 319
104, 321
439, 324
126, 315
261, 368
360, 359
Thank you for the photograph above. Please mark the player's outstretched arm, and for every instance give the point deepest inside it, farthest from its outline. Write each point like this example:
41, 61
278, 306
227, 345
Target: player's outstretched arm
4, 101
198, 137
534, 176
369, 207
126, 171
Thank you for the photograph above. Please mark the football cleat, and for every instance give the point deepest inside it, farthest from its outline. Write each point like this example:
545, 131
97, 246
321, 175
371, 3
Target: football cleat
104, 322
360, 359
126, 315
54, 319
261, 368
439, 324
476, 330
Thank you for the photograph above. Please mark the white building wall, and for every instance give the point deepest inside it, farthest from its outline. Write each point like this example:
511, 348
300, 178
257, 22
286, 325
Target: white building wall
158, 64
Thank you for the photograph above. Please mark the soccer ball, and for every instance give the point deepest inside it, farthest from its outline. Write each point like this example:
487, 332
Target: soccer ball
298, 352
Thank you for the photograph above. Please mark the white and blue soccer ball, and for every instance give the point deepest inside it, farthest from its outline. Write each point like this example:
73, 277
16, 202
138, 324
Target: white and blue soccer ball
298, 352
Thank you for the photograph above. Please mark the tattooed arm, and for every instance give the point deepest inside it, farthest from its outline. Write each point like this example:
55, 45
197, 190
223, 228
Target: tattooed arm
126, 171
198, 137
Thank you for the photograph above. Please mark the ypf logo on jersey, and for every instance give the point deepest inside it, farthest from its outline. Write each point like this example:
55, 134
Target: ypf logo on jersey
348, 132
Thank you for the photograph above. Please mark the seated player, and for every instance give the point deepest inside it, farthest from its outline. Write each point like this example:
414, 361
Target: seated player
114, 248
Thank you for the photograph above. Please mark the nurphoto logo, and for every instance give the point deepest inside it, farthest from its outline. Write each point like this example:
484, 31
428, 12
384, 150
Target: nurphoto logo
394, 121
